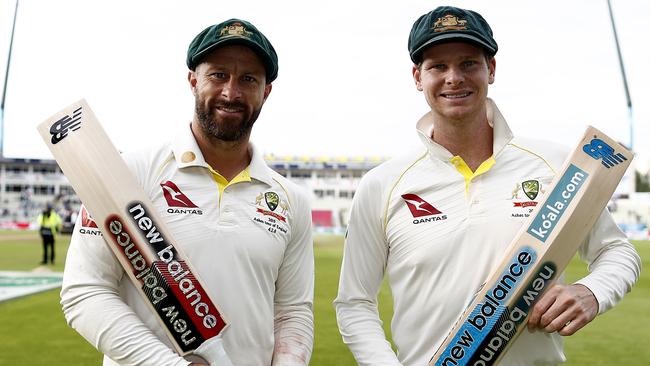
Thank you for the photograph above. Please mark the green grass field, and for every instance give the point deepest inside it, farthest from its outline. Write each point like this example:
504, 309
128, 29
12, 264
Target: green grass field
33, 331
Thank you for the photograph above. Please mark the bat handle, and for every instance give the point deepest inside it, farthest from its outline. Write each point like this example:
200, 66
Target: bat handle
212, 351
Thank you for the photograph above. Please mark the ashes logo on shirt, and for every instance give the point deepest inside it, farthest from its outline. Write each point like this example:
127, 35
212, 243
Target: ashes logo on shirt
422, 210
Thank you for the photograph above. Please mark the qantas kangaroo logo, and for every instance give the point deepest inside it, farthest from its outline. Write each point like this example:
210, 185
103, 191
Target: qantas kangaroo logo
88, 225
422, 208
174, 196
418, 206
86, 220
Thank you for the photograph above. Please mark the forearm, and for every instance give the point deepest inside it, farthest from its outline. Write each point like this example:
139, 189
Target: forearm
612, 275
93, 300
614, 264
105, 321
361, 329
362, 272
293, 318
294, 335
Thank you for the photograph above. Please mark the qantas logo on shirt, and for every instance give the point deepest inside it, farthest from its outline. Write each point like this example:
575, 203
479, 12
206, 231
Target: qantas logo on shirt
422, 210
177, 200
174, 196
86, 220
88, 225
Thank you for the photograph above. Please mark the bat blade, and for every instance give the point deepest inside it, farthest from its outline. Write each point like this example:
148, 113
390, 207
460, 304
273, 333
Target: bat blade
131, 227
538, 254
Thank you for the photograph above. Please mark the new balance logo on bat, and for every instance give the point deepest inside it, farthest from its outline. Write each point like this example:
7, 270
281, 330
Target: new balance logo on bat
598, 149
60, 129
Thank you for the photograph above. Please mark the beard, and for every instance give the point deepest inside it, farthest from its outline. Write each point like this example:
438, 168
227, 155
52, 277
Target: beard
225, 129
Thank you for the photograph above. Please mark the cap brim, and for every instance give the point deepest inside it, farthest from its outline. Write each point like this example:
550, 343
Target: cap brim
450, 37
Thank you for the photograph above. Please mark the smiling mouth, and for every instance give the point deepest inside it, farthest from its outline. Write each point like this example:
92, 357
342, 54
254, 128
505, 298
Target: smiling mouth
229, 109
455, 95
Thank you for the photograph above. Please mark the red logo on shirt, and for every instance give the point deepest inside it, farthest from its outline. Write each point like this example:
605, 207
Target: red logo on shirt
418, 206
174, 196
86, 220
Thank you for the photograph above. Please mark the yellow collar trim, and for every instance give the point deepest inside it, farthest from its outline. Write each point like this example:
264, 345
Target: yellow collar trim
223, 183
467, 173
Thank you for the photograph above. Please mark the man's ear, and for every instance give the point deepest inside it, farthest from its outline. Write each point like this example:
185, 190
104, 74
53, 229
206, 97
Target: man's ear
191, 78
267, 90
416, 77
492, 66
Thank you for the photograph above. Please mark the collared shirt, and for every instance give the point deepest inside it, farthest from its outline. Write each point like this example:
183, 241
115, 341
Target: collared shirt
437, 230
249, 241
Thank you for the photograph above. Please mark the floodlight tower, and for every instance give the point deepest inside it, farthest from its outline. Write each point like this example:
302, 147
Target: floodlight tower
631, 170
4, 88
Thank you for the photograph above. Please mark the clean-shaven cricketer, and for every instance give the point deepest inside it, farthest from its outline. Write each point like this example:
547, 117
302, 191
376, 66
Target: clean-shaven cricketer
437, 220
245, 229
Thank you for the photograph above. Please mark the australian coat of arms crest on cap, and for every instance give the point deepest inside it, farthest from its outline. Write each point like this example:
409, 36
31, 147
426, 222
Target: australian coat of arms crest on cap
235, 29
449, 22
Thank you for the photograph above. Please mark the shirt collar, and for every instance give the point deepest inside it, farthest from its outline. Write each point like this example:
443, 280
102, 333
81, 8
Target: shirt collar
502, 133
187, 153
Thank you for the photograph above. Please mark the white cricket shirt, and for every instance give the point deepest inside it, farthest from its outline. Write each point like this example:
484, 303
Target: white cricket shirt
249, 241
437, 229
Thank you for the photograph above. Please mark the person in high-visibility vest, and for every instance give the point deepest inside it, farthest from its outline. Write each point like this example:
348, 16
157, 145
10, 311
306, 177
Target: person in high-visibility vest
49, 224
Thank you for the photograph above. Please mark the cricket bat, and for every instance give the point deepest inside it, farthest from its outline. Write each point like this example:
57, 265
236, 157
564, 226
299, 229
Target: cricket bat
132, 228
538, 254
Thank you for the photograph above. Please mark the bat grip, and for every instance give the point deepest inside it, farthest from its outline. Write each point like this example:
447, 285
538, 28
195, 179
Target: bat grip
213, 352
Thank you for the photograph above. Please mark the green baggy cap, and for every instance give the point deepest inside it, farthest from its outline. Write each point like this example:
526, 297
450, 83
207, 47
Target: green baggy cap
233, 31
448, 23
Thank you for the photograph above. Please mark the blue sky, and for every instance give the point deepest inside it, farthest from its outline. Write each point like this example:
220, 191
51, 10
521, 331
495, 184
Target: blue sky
344, 87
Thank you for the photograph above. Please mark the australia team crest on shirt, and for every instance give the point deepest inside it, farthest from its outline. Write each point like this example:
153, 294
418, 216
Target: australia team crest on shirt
271, 211
524, 197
